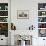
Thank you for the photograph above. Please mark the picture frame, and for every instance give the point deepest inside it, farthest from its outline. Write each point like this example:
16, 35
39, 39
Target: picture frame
22, 14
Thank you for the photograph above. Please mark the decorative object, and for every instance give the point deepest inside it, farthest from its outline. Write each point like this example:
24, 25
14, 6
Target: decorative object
3, 13
23, 40
6, 7
41, 19
41, 6
22, 14
43, 13
13, 27
31, 27
0, 7
3, 19
42, 32
41, 25
4, 29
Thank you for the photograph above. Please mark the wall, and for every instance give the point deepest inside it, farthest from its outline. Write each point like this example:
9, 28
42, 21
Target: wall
32, 6
23, 24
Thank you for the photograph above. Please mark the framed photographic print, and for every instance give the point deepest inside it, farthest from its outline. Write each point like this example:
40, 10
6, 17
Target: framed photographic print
22, 14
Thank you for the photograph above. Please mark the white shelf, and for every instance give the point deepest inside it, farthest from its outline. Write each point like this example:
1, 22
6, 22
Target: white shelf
41, 22
41, 28
41, 10
3, 22
3, 10
42, 16
3, 16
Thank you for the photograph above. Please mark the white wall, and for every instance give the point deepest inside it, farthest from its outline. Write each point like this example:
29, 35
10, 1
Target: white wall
23, 24
32, 6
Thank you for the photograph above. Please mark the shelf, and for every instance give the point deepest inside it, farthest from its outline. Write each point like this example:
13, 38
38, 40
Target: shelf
3, 16
42, 16
42, 19
3, 10
41, 10
4, 19
41, 28
41, 22
3, 22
